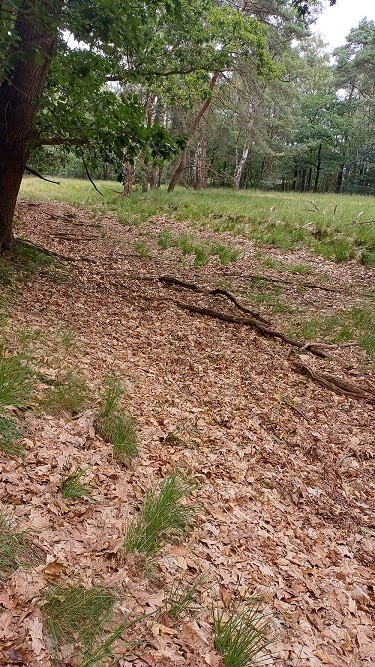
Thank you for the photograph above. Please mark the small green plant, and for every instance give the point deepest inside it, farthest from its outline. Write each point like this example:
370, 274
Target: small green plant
202, 251
181, 601
15, 382
114, 425
161, 516
16, 549
76, 614
142, 250
10, 435
69, 394
72, 487
241, 636
67, 338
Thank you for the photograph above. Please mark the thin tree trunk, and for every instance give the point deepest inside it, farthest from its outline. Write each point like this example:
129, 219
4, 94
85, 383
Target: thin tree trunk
20, 95
318, 167
240, 165
182, 162
339, 179
200, 166
127, 177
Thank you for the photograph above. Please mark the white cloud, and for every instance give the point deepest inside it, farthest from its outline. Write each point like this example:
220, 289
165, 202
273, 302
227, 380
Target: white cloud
336, 22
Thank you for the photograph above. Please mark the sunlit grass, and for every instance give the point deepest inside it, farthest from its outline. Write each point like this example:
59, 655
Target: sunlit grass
284, 220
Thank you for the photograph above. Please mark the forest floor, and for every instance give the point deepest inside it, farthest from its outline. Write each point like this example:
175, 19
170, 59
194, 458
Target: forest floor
283, 461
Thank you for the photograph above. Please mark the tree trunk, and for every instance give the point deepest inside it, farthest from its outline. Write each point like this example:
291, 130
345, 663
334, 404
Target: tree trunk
318, 166
200, 166
240, 165
127, 177
339, 179
20, 94
182, 162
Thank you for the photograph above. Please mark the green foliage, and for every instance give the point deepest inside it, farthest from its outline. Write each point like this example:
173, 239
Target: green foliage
67, 338
202, 252
181, 601
241, 635
10, 435
15, 382
162, 516
72, 487
353, 324
114, 425
69, 394
76, 614
142, 250
16, 548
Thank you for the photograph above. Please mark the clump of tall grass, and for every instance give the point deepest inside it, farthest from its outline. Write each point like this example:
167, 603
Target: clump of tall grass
77, 614
69, 394
242, 635
15, 382
114, 425
10, 436
163, 515
202, 251
181, 601
16, 548
72, 487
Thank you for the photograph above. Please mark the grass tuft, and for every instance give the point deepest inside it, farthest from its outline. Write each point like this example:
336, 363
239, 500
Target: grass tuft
202, 251
10, 435
241, 636
69, 394
181, 601
76, 614
72, 487
161, 516
114, 425
15, 382
16, 548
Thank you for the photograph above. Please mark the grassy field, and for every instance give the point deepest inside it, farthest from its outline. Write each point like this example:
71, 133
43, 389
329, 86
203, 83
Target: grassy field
337, 227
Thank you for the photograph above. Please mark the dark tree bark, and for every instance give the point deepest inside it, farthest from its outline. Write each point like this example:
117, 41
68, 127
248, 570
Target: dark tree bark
182, 162
339, 179
20, 93
318, 167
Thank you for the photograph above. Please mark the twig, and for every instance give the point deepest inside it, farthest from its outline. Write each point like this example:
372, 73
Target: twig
314, 205
38, 175
255, 324
88, 175
170, 280
337, 385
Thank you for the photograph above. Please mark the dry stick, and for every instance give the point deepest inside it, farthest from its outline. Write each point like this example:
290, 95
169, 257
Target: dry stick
65, 258
283, 280
255, 324
335, 384
169, 280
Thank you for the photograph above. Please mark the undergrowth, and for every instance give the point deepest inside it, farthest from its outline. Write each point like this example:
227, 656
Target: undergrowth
241, 635
354, 324
202, 251
114, 425
76, 614
162, 515
181, 601
69, 394
16, 548
15, 382
23, 260
72, 487
10, 436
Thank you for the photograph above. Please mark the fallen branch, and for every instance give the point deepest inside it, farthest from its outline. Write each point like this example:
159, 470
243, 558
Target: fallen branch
169, 280
337, 385
255, 324
52, 253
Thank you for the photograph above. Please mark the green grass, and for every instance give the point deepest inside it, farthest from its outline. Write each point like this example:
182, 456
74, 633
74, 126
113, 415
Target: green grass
16, 549
181, 601
114, 425
15, 382
202, 250
69, 394
163, 515
72, 487
291, 223
242, 635
10, 435
68, 339
142, 250
24, 260
76, 614
354, 324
